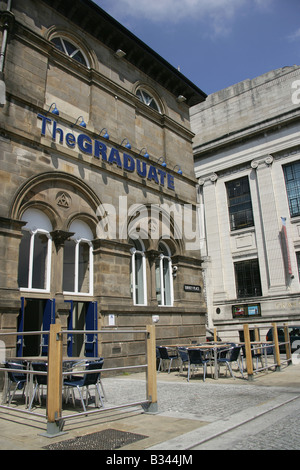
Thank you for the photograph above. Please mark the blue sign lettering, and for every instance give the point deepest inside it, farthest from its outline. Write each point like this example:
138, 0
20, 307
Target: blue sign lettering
98, 150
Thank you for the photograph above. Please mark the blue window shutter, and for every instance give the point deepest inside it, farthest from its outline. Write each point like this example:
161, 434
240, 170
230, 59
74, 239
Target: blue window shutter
20, 338
48, 319
91, 344
70, 328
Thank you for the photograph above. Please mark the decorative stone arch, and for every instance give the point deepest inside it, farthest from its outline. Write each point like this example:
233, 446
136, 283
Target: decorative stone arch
152, 92
86, 218
57, 31
63, 197
153, 230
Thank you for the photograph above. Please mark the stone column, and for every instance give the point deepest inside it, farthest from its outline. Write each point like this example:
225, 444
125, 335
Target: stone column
213, 233
270, 227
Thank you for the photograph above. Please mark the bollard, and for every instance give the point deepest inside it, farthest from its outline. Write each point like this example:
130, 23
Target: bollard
249, 362
151, 370
54, 383
276, 346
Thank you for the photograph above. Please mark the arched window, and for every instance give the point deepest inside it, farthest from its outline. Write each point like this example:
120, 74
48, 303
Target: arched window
148, 99
70, 49
163, 275
138, 273
78, 260
35, 252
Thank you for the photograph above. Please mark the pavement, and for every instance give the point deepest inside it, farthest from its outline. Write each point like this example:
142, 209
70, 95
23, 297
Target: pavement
191, 415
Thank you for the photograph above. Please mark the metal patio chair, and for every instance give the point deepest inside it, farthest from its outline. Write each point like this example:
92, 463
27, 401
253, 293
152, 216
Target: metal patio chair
85, 381
166, 356
184, 357
197, 358
229, 356
40, 380
19, 379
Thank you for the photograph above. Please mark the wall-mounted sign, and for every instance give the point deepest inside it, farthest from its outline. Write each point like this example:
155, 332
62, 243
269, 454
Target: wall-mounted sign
97, 149
246, 310
189, 288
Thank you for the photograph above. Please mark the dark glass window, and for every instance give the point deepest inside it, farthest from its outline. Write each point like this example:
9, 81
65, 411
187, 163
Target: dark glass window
70, 50
239, 204
292, 182
298, 262
247, 278
147, 99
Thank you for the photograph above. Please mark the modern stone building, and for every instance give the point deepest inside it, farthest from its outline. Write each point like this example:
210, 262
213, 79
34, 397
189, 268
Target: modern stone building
247, 162
95, 133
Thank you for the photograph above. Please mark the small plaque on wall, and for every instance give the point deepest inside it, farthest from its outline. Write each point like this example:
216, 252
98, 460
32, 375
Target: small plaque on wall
189, 288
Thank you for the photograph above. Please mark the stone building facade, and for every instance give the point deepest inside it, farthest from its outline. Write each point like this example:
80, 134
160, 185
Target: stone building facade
98, 186
247, 158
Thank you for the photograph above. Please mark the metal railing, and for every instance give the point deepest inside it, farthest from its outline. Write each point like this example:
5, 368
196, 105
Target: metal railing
259, 349
55, 374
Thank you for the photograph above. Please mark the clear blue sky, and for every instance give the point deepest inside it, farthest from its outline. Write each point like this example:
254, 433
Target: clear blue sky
216, 43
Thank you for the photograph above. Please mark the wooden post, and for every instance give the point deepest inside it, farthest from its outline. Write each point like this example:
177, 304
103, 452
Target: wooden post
54, 386
287, 343
215, 335
276, 346
257, 338
249, 362
151, 370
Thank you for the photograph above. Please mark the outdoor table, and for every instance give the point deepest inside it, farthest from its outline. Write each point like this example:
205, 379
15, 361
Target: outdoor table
68, 364
213, 347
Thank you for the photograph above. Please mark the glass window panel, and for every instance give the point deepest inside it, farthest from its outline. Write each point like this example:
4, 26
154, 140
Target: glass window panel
292, 182
69, 49
167, 284
40, 254
58, 44
139, 279
239, 204
298, 262
147, 99
24, 250
69, 266
163, 271
247, 277
158, 283
83, 267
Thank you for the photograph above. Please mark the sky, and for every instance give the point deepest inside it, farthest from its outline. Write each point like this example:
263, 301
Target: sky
215, 43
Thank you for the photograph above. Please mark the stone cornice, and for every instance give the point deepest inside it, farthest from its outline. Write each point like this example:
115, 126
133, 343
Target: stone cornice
247, 133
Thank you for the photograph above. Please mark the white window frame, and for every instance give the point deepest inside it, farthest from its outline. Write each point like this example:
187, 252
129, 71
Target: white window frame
31, 261
163, 257
76, 273
134, 251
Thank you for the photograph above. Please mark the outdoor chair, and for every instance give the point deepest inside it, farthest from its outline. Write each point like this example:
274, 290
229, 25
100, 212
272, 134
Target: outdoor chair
40, 380
257, 356
16, 378
184, 357
230, 356
158, 358
166, 356
197, 358
85, 381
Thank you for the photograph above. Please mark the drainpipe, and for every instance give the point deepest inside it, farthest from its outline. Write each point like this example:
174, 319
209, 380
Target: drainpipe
6, 21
